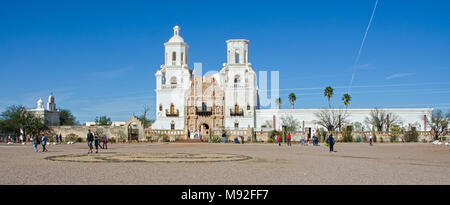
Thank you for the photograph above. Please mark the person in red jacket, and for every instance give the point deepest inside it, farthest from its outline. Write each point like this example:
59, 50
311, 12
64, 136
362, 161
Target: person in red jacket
279, 140
289, 139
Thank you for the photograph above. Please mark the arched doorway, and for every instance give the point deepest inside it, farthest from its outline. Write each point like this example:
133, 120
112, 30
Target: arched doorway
133, 132
204, 130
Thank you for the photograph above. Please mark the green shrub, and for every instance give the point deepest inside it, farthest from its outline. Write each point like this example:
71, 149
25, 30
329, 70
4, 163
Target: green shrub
216, 139
411, 136
71, 137
112, 140
381, 140
347, 135
270, 140
79, 139
395, 133
374, 134
358, 139
163, 138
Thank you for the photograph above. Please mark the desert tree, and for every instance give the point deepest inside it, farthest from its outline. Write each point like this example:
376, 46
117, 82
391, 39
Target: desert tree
328, 92
331, 119
103, 120
439, 123
346, 98
380, 119
292, 99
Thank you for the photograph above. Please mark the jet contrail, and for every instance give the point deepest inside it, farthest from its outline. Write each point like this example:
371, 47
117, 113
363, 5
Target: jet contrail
361, 47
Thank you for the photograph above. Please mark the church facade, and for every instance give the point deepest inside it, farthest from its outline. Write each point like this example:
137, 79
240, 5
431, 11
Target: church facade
49, 114
229, 99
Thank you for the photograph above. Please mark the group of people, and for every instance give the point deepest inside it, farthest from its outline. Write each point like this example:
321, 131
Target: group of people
330, 141
94, 138
42, 141
196, 135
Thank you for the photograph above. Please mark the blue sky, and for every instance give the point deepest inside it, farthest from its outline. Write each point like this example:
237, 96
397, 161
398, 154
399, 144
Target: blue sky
99, 57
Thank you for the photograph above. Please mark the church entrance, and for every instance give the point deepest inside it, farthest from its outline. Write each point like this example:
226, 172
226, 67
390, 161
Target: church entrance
204, 130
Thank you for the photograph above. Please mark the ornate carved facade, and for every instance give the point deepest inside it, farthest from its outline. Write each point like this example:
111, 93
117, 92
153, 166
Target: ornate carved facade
204, 105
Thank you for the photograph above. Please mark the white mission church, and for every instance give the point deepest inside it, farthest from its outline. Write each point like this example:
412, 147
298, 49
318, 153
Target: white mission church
229, 98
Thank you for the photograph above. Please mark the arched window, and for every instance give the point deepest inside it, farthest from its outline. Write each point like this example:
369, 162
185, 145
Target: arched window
172, 125
237, 79
160, 107
172, 108
236, 108
236, 124
236, 57
174, 57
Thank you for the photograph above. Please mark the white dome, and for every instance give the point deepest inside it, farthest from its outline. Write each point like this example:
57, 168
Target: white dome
176, 38
40, 104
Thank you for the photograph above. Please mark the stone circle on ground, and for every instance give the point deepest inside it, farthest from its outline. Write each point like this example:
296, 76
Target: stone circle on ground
149, 157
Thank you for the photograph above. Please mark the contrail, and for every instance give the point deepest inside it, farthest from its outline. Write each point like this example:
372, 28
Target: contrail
361, 47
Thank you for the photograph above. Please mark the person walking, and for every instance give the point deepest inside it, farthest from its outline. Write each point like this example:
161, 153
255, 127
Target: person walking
96, 142
289, 139
57, 139
279, 140
330, 141
35, 144
60, 138
303, 140
370, 140
105, 142
89, 139
44, 142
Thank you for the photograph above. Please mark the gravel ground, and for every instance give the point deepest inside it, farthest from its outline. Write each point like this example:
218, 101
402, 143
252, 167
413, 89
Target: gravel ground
413, 163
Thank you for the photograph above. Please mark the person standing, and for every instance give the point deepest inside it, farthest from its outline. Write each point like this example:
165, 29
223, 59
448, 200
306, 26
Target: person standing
57, 139
224, 137
35, 144
370, 140
96, 142
105, 142
330, 141
60, 138
44, 142
189, 134
289, 139
89, 139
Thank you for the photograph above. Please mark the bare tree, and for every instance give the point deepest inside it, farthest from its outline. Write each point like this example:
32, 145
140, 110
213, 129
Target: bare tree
290, 123
381, 120
143, 118
331, 119
439, 123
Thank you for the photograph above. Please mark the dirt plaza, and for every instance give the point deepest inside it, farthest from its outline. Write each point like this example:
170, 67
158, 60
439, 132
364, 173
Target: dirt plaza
226, 164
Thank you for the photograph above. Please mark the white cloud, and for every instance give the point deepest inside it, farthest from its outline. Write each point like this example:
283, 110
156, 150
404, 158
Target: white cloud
399, 75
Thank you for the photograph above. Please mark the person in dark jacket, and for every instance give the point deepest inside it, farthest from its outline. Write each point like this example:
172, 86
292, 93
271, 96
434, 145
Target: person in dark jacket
89, 139
35, 144
60, 138
43, 143
96, 142
330, 141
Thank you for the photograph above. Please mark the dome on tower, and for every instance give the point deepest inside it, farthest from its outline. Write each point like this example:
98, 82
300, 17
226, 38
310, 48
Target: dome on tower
51, 98
176, 38
40, 104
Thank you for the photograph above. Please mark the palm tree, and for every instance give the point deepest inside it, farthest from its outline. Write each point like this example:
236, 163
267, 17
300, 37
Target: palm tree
329, 93
346, 98
278, 102
292, 98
